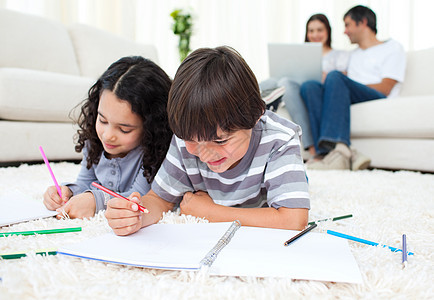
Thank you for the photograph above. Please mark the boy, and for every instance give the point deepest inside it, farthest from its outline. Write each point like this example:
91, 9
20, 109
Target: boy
229, 158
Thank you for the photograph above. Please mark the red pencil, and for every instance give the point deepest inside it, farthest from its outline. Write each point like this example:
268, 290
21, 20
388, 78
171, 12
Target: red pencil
141, 208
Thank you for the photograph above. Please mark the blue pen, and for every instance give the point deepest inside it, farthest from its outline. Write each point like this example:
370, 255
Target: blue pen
352, 238
404, 250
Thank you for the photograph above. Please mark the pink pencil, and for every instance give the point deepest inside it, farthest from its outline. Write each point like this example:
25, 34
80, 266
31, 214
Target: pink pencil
114, 194
51, 171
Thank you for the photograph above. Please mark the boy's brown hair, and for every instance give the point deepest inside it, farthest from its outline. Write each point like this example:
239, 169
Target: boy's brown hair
213, 88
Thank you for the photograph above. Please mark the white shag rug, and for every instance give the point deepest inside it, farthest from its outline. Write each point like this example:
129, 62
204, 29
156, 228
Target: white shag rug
384, 206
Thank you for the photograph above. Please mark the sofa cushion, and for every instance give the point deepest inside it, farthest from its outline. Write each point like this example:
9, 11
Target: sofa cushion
32, 42
399, 117
418, 76
21, 141
29, 95
96, 49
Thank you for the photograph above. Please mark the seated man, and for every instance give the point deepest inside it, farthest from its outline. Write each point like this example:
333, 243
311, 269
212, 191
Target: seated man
376, 70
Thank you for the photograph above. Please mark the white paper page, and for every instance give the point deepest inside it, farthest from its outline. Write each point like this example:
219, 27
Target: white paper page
16, 207
160, 246
260, 252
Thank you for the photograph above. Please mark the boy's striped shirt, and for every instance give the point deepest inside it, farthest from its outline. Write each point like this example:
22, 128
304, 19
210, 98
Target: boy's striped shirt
271, 173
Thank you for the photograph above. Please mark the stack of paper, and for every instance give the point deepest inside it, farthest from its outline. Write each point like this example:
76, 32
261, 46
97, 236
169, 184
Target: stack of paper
16, 208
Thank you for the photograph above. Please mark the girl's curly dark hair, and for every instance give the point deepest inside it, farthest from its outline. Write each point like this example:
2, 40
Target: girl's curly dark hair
145, 86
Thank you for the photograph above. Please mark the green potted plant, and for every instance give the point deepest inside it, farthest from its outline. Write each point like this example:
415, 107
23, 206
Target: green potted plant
182, 26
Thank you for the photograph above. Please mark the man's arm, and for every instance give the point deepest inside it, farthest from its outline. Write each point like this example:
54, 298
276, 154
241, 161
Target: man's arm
385, 86
201, 205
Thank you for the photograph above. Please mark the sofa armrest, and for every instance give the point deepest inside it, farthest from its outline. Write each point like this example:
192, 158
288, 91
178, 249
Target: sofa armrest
31, 95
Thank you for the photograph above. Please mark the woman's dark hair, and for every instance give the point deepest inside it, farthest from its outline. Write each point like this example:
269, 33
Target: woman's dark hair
213, 88
360, 12
323, 19
145, 86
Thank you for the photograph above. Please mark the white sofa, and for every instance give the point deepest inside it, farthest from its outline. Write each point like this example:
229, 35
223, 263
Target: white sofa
398, 133
46, 69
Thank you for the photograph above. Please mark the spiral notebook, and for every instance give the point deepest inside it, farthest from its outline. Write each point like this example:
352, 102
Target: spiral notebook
225, 249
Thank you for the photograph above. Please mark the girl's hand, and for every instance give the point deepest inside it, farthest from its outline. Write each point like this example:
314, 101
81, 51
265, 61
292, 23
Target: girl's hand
197, 204
123, 216
52, 199
79, 206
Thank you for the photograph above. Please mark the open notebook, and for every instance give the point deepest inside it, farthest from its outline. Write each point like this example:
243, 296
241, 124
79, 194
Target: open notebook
16, 207
225, 249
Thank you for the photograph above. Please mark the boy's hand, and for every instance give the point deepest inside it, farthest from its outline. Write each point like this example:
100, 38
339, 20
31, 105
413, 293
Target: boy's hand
79, 206
52, 199
123, 216
197, 204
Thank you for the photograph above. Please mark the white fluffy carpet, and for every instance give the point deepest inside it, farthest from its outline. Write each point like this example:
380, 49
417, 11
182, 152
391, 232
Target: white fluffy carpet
384, 204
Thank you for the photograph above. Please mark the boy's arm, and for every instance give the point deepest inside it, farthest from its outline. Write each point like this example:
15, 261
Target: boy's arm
201, 205
283, 217
124, 217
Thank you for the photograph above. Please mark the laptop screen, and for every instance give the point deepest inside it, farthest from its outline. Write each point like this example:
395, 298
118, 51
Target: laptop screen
299, 62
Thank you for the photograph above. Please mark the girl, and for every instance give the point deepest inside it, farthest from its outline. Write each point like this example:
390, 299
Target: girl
124, 135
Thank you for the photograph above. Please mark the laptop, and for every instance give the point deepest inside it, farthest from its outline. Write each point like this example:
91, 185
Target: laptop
300, 62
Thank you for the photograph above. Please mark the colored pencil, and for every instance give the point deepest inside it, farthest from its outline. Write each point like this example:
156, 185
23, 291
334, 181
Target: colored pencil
352, 238
23, 254
114, 194
404, 250
333, 219
44, 231
300, 234
51, 171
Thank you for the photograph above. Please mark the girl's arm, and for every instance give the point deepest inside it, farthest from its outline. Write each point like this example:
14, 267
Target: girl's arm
84, 178
140, 184
52, 199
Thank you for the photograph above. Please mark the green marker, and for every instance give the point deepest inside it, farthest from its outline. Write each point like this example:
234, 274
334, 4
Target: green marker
334, 219
23, 254
46, 231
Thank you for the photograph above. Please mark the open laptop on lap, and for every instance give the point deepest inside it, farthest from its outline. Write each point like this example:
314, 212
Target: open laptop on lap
300, 62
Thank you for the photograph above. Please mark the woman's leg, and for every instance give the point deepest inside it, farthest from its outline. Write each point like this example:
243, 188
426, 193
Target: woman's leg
311, 93
297, 109
270, 83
